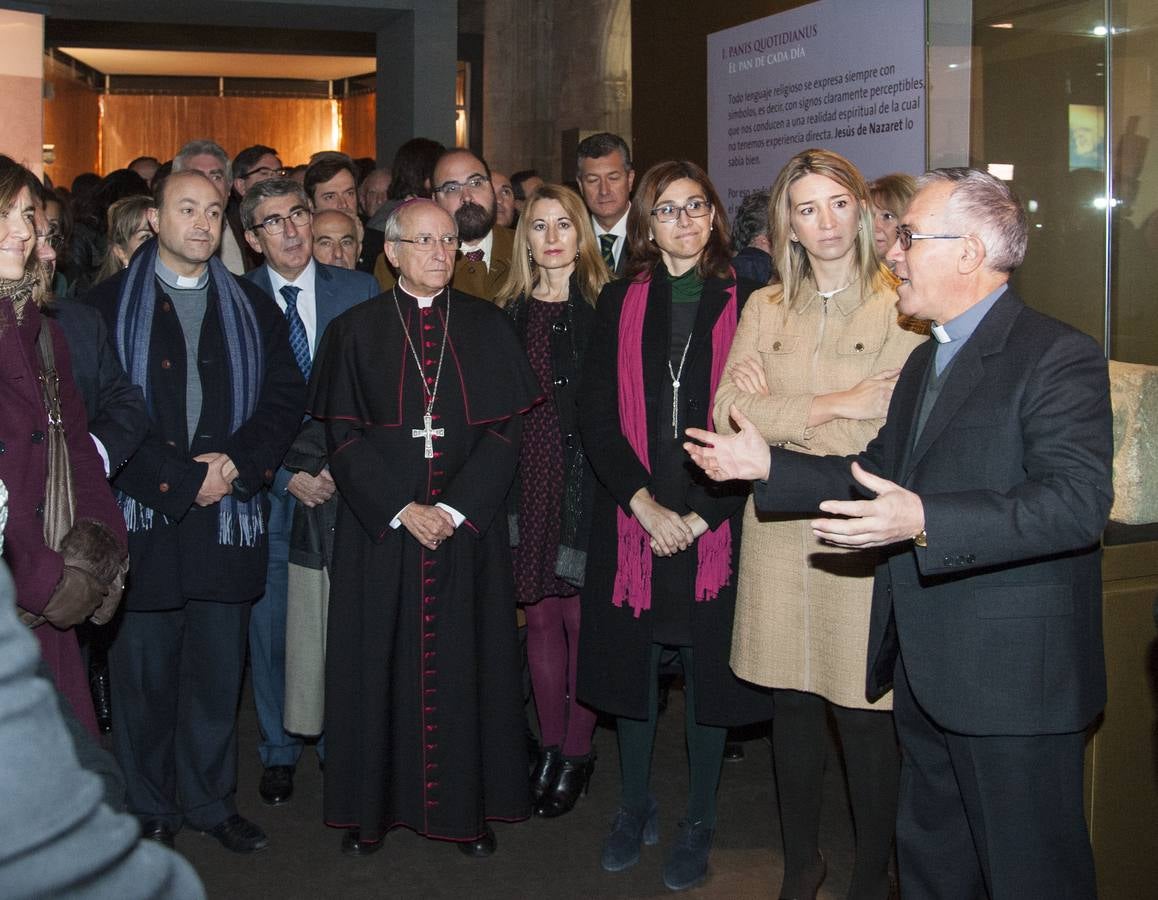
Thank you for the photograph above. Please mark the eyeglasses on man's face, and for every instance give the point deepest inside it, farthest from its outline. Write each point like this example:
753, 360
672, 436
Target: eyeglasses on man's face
669, 212
276, 224
906, 236
452, 188
427, 242
265, 172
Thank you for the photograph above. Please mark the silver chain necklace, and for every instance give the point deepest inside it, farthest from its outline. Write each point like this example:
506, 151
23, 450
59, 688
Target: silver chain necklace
675, 388
427, 432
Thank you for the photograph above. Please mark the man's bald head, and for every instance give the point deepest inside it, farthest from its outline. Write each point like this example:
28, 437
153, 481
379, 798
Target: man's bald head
421, 240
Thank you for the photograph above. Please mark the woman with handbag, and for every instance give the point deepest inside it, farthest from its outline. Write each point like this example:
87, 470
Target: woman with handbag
550, 294
65, 541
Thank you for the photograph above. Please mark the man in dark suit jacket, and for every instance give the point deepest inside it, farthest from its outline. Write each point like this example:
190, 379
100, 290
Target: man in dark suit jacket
276, 215
211, 353
606, 178
990, 484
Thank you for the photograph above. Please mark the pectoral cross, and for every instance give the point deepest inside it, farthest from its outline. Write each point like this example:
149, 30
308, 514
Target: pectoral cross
427, 432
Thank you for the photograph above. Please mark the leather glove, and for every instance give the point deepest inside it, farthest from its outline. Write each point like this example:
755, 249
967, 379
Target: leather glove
76, 596
108, 608
91, 546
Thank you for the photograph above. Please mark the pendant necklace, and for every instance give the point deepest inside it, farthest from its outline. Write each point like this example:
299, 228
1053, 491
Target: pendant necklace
427, 432
676, 374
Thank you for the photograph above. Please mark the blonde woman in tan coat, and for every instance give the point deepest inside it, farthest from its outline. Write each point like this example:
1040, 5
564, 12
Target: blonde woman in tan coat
813, 365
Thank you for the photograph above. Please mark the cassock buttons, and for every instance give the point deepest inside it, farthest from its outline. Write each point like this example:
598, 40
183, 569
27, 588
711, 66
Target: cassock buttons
163, 487
2, 448
38, 437
40, 510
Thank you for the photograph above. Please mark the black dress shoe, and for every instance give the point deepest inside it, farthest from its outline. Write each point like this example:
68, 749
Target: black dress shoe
545, 772
484, 846
277, 785
574, 779
156, 830
353, 845
239, 835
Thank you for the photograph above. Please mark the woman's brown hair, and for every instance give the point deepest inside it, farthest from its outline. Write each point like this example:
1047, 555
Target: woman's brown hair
642, 252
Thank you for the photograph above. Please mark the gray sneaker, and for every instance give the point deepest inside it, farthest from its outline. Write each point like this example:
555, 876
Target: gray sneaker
687, 860
630, 828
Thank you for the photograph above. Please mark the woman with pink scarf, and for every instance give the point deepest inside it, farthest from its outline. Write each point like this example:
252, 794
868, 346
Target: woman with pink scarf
664, 542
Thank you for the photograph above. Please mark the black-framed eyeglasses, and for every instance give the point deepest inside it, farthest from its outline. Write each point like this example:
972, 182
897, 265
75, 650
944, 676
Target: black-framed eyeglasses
276, 224
669, 212
265, 172
450, 188
427, 242
906, 236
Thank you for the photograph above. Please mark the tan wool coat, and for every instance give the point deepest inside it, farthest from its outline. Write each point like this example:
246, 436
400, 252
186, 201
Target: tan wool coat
802, 608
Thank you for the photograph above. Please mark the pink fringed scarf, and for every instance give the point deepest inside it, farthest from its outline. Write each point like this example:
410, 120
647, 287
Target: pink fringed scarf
714, 548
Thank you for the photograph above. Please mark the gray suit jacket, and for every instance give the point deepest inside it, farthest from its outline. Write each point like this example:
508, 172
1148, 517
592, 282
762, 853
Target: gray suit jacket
999, 618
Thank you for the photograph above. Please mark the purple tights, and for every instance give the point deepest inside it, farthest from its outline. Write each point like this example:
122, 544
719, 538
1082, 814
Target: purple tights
552, 654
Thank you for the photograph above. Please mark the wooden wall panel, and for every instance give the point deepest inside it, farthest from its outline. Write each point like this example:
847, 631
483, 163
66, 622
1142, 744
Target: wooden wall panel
72, 123
358, 131
155, 125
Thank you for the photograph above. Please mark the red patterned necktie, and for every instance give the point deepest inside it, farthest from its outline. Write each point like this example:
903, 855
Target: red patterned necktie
475, 255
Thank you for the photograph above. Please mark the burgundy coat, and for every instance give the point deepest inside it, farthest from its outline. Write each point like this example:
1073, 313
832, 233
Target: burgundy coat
36, 568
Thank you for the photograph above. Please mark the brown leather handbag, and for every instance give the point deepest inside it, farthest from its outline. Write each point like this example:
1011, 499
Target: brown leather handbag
59, 495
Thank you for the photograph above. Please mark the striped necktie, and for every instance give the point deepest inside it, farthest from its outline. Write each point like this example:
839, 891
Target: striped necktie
607, 248
299, 342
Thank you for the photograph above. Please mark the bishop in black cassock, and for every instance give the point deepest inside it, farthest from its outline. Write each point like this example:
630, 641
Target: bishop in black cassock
424, 719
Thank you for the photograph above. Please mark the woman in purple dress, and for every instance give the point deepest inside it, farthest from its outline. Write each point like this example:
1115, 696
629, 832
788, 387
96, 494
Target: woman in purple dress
556, 275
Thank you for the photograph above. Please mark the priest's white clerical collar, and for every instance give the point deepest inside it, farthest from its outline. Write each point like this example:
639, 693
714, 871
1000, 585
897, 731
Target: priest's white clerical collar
940, 335
181, 282
423, 302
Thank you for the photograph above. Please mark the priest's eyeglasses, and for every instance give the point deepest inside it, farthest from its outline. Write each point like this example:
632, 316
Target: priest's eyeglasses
906, 236
451, 188
669, 212
276, 224
426, 243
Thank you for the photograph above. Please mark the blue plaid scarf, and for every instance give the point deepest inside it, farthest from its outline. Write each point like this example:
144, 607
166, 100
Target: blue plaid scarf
238, 523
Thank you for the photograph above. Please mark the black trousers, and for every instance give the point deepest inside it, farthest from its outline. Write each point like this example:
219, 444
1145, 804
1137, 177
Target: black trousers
176, 678
988, 816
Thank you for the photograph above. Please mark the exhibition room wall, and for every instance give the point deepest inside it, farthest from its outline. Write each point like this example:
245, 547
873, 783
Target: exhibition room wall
1058, 98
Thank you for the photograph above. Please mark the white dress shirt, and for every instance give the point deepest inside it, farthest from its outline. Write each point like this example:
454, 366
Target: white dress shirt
307, 300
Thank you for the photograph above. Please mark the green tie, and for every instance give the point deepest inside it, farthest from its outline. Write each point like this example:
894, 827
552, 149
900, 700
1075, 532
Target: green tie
607, 246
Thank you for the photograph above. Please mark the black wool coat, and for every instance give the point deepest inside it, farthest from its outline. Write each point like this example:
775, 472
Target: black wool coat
614, 645
570, 337
179, 558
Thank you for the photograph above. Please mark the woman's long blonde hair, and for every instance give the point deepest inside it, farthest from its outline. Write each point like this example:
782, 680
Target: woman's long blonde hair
791, 257
590, 270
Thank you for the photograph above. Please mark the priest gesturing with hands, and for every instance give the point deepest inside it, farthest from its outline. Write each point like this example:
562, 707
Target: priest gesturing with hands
988, 487
894, 514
